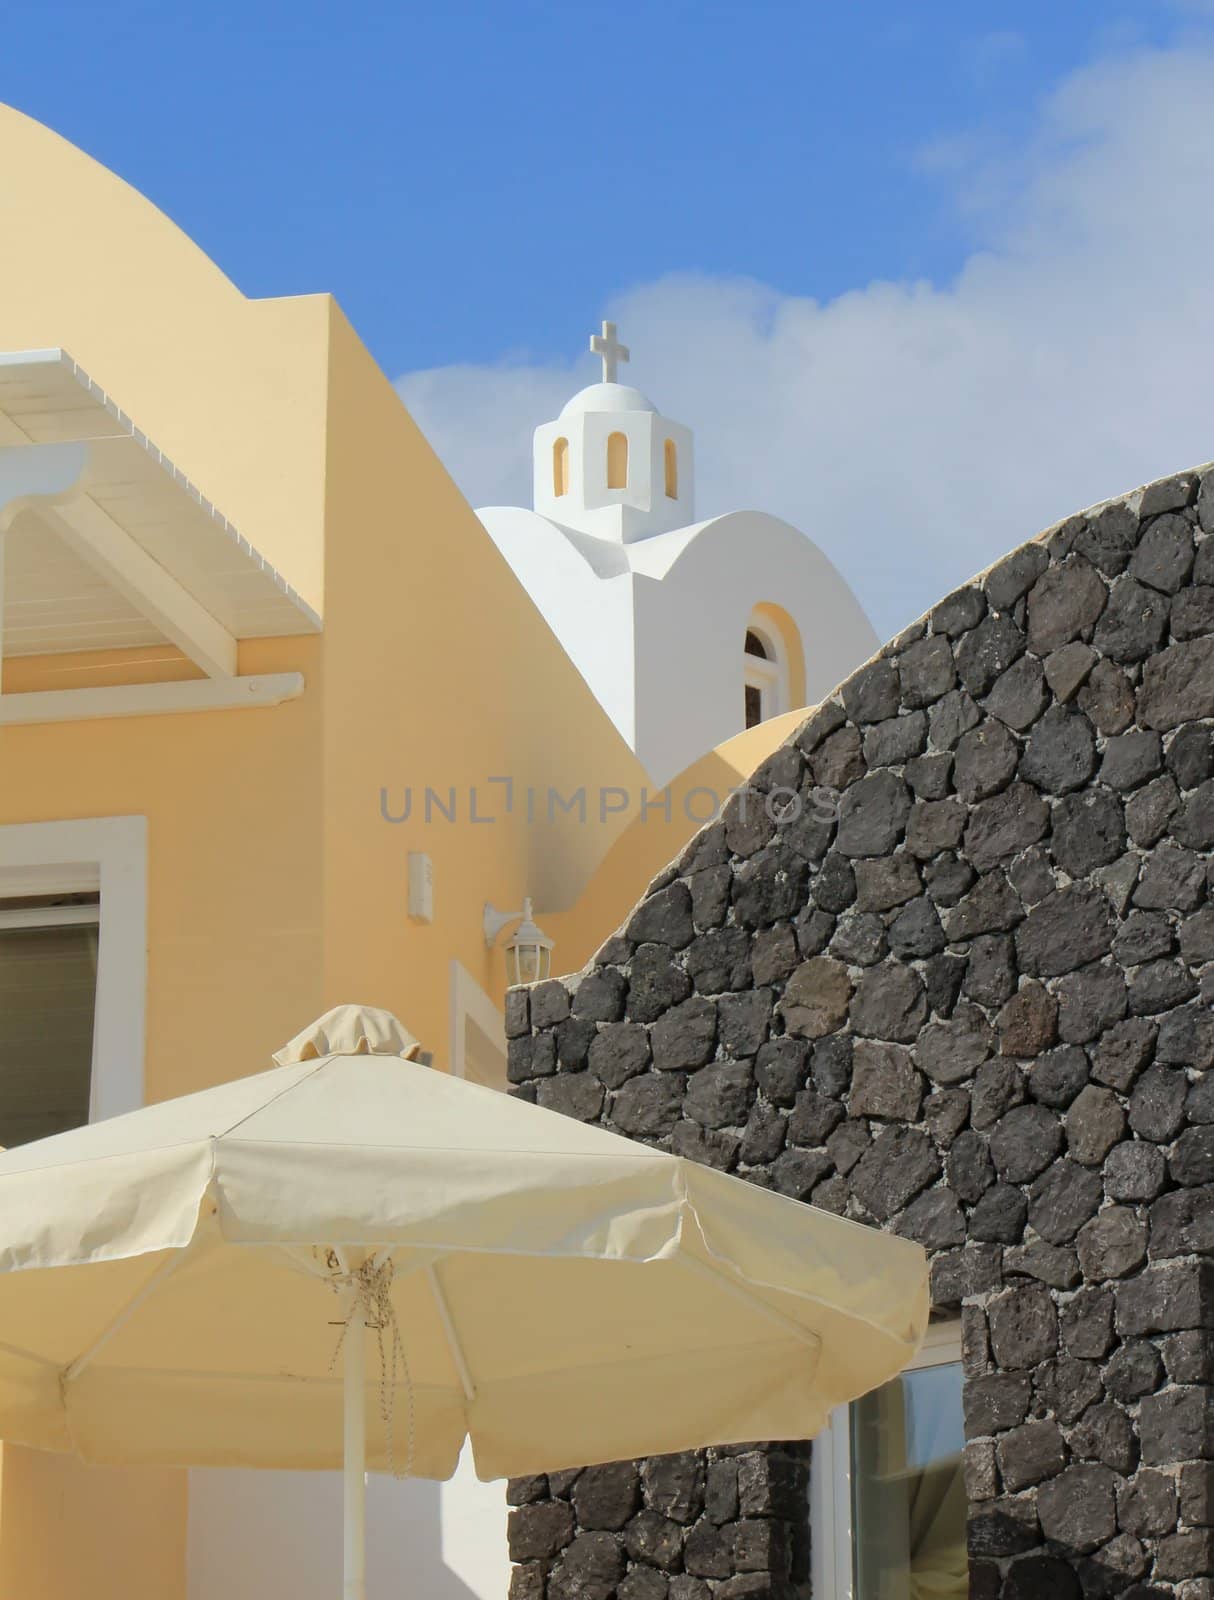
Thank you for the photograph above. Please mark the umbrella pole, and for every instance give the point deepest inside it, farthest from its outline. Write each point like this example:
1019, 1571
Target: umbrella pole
355, 1458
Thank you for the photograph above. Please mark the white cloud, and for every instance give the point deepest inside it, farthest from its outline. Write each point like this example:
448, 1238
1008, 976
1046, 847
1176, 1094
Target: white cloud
918, 431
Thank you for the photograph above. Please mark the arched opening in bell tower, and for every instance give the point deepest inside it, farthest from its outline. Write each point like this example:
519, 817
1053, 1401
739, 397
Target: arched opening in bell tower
617, 460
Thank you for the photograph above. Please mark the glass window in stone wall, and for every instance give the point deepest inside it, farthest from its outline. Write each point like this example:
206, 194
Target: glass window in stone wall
908, 1496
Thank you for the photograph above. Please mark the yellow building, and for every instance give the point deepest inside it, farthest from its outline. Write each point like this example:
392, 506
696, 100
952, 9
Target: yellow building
276, 721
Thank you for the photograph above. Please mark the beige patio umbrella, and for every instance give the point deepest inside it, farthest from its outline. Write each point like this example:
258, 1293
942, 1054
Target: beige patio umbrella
185, 1284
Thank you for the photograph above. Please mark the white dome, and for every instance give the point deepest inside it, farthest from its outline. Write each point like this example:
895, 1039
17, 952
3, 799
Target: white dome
607, 397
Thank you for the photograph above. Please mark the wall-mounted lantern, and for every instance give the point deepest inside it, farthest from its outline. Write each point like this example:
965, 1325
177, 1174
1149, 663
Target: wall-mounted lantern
528, 949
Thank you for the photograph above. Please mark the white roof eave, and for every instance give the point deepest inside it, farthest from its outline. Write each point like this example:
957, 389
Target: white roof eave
45, 396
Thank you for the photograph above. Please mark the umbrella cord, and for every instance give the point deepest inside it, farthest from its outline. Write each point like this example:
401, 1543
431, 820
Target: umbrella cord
371, 1290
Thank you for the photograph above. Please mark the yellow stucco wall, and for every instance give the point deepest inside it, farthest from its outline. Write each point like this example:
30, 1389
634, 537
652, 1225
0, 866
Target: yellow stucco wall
97, 669
68, 1531
275, 887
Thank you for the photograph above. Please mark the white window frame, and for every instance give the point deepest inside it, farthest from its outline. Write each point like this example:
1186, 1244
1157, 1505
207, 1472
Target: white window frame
769, 675
107, 855
478, 1030
830, 1478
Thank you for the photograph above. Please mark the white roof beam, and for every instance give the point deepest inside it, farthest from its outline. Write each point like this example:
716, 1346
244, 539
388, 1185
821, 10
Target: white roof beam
48, 477
97, 539
149, 699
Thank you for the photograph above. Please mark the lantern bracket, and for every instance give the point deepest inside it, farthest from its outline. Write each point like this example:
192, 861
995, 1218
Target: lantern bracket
495, 922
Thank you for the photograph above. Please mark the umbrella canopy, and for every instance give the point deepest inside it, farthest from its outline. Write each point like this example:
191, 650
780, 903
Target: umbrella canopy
175, 1284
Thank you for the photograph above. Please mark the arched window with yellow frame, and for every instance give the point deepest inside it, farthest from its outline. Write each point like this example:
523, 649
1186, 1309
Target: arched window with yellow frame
773, 664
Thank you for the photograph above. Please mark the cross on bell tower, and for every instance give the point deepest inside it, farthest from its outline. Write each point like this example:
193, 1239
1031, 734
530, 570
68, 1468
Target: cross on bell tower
608, 347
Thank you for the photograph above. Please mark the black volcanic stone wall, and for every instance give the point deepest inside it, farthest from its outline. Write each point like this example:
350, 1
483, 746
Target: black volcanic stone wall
949, 970
682, 1527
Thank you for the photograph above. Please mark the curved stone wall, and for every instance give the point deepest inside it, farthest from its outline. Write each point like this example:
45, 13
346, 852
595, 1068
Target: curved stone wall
949, 970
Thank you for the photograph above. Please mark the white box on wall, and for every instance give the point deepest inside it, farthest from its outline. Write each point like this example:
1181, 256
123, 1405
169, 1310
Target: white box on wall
421, 886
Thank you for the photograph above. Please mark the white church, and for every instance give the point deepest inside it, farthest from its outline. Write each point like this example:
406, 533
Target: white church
686, 631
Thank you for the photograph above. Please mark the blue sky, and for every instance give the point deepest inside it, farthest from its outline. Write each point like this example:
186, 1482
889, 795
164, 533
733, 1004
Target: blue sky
476, 180
923, 278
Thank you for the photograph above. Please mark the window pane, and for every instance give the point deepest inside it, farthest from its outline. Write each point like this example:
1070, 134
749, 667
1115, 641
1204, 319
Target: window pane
908, 1496
754, 706
48, 984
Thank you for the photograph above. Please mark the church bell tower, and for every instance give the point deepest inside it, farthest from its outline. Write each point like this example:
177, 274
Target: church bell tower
611, 465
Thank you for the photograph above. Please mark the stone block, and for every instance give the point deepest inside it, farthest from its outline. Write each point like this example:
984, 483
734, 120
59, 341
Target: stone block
1177, 1425
588, 1569
618, 1052
1112, 1244
1136, 1369
1028, 1022
573, 1094
1094, 1123
1069, 928
1178, 685
1147, 1504
1064, 601
1167, 1298
537, 1532
872, 815
685, 1036
1056, 1077
897, 1165
605, 1497
1105, 1433
1086, 1323
1024, 1142
1024, 1326
985, 761
1030, 1454
1078, 1508
655, 1540
885, 1082
708, 1552
987, 651
673, 1485
527, 1581
1189, 1554
1108, 698
599, 997
816, 998
655, 983
1196, 1486
1005, 1527
647, 1107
